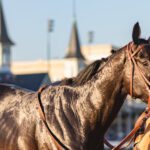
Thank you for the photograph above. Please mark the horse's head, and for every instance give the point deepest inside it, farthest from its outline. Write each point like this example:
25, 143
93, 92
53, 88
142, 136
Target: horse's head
138, 66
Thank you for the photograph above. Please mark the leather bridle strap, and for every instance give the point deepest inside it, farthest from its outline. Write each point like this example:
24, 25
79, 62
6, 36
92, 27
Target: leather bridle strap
131, 78
58, 143
132, 61
145, 115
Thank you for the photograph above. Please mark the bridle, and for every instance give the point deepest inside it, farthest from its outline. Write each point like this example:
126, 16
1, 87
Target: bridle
140, 73
146, 114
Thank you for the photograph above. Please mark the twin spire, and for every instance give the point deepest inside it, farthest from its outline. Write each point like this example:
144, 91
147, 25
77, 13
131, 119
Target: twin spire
4, 38
74, 50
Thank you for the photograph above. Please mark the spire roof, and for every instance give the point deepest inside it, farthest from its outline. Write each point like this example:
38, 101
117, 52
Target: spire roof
74, 50
4, 38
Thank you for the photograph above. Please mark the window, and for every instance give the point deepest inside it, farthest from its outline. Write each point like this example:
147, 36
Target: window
6, 56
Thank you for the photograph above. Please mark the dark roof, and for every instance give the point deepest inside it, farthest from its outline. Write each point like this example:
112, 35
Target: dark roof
6, 77
74, 50
4, 38
32, 81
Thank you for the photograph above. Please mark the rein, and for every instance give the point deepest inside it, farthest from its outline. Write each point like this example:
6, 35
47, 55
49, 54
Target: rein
58, 143
146, 114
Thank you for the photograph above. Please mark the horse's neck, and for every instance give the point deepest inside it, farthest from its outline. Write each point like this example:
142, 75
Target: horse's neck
105, 95
88, 110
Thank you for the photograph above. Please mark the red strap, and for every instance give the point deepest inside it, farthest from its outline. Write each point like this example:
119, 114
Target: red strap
108, 144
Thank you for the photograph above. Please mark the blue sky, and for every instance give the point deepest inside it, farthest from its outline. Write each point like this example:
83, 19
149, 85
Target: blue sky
111, 20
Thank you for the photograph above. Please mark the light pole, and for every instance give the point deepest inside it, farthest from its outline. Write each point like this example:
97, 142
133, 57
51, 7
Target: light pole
49, 31
74, 9
90, 40
90, 37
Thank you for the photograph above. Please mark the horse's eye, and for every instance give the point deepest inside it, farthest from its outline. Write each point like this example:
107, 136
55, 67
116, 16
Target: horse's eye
145, 63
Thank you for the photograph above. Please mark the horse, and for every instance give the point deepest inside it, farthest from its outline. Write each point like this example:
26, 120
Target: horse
77, 115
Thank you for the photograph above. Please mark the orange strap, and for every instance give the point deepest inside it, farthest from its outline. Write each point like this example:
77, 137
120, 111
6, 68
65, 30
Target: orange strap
112, 147
59, 144
143, 117
141, 75
132, 138
144, 114
149, 101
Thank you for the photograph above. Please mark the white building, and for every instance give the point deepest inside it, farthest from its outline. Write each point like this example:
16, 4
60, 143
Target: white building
5, 44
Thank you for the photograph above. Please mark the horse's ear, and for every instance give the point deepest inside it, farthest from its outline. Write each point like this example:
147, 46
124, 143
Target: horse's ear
136, 33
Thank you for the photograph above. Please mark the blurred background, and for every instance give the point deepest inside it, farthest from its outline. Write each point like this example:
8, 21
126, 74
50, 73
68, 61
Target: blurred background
46, 41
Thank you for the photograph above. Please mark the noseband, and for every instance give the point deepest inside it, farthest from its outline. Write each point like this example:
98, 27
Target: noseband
140, 73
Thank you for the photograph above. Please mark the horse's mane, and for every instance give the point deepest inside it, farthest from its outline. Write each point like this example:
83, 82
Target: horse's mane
87, 73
